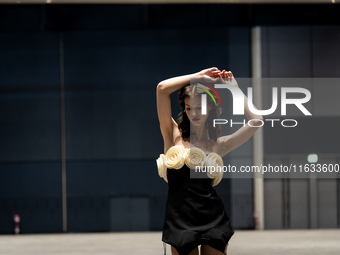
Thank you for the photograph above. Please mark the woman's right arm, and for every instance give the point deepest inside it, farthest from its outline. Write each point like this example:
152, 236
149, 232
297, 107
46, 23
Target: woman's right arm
168, 125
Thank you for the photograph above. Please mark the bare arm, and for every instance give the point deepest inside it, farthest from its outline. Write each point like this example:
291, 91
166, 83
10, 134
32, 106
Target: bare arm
231, 142
168, 125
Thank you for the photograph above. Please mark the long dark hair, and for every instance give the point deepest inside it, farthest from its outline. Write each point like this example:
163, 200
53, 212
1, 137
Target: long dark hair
183, 120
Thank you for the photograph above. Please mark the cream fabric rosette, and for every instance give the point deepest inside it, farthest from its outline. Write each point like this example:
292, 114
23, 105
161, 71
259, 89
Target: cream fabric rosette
174, 157
194, 157
177, 156
214, 164
162, 169
216, 181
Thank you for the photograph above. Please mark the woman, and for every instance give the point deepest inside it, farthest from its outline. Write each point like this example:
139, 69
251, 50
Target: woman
195, 215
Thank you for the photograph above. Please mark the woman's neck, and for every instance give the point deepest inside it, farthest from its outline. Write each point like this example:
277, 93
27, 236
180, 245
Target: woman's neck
199, 133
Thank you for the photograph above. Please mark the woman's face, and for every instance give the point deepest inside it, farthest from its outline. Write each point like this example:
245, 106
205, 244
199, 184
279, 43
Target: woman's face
193, 110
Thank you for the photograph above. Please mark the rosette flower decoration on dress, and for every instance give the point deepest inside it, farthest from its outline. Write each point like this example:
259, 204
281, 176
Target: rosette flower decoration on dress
216, 181
174, 157
162, 169
214, 164
195, 157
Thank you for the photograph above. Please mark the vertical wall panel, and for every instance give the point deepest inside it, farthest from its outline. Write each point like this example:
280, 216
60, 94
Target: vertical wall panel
305, 51
299, 203
32, 190
30, 181
326, 52
29, 98
129, 214
327, 203
273, 204
289, 50
241, 211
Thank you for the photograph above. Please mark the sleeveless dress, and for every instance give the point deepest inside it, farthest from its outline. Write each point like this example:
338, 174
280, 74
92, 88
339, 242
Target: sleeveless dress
194, 214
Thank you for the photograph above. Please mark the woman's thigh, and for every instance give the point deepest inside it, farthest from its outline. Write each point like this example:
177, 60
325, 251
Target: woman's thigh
208, 250
193, 252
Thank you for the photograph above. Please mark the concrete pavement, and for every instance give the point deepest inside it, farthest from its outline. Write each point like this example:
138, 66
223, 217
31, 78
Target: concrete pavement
268, 242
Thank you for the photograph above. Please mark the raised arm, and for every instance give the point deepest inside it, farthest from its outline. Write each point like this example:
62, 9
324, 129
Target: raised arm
231, 142
168, 125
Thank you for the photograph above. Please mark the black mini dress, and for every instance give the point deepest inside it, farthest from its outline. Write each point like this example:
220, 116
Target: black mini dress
194, 214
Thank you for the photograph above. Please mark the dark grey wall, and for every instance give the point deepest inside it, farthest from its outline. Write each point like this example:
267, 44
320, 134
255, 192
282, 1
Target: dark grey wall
114, 56
30, 132
304, 52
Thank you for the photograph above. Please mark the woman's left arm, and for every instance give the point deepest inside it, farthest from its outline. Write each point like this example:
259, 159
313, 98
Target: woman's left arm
231, 142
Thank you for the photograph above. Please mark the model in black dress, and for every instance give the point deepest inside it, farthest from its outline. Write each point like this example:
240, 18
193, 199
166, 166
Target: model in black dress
195, 215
